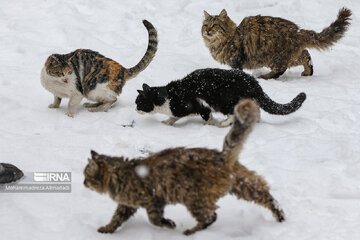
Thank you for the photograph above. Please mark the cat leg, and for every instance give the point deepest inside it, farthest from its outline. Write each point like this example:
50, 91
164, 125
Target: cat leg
56, 102
155, 212
103, 107
305, 60
122, 214
170, 121
92, 105
74, 101
251, 187
227, 122
275, 73
204, 213
278, 65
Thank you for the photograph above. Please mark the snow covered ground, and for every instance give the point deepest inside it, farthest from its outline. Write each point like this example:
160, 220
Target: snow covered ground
311, 158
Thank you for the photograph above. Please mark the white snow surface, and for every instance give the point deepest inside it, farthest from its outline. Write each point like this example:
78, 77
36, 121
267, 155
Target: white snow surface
311, 159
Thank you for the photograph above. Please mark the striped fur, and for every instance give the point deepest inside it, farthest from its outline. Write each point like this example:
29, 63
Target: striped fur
265, 41
194, 177
86, 73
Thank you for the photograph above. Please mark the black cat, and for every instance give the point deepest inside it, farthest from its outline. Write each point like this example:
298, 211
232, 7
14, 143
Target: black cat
209, 90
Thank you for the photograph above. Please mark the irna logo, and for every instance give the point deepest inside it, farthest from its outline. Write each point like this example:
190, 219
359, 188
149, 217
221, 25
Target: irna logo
52, 176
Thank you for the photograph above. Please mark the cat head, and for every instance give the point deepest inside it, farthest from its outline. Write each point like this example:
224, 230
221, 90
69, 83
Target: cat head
149, 98
97, 173
218, 27
56, 66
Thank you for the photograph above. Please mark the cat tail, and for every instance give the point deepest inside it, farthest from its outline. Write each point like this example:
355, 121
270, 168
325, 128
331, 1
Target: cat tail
246, 113
330, 35
149, 55
272, 107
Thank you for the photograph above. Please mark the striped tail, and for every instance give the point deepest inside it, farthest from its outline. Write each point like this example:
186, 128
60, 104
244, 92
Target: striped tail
246, 113
330, 35
149, 55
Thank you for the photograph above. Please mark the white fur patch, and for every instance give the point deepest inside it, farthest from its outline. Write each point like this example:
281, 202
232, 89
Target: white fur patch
101, 93
57, 86
163, 109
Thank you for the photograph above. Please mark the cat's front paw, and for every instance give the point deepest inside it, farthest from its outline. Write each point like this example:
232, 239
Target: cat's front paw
106, 229
53, 105
70, 114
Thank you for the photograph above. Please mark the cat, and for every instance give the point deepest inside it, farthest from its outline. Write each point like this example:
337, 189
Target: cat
194, 177
86, 73
264, 41
209, 90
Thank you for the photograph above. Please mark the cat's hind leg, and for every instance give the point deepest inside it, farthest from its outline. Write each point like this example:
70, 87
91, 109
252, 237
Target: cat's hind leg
203, 212
92, 105
251, 187
103, 106
56, 102
305, 60
278, 65
275, 73
122, 214
155, 212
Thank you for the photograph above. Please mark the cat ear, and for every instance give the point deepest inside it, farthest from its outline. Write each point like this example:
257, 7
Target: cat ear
223, 14
93, 165
141, 92
146, 87
206, 14
94, 155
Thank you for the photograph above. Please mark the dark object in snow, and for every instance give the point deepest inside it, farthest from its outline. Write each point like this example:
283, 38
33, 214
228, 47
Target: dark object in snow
209, 90
129, 125
265, 41
9, 173
194, 177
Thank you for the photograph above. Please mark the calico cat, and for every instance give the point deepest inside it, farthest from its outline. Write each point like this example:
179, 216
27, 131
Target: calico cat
194, 177
264, 41
86, 73
207, 90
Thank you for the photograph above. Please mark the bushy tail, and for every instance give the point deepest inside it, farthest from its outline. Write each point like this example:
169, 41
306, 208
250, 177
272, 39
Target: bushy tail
246, 113
330, 35
149, 55
272, 107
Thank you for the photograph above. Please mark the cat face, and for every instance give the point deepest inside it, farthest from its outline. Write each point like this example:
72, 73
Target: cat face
216, 27
96, 173
56, 66
148, 99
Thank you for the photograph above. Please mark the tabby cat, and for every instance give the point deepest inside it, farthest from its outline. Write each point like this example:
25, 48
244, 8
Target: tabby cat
86, 73
209, 90
264, 41
194, 177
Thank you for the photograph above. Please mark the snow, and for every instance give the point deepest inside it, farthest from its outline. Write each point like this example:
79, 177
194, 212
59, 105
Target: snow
310, 158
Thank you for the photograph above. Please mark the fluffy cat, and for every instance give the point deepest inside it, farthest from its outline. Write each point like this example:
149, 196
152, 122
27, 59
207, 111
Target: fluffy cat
264, 41
207, 90
194, 177
86, 73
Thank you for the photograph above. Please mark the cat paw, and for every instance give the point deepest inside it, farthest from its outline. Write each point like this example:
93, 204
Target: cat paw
70, 114
188, 232
106, 229
53, 105
168, 223
264, 77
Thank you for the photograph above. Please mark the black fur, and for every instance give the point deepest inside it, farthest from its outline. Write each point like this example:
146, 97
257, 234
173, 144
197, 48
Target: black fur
221, 90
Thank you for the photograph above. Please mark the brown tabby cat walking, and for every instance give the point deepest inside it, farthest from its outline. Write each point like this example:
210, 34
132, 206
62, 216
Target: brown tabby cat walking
264, 41
195, 177
86, 73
